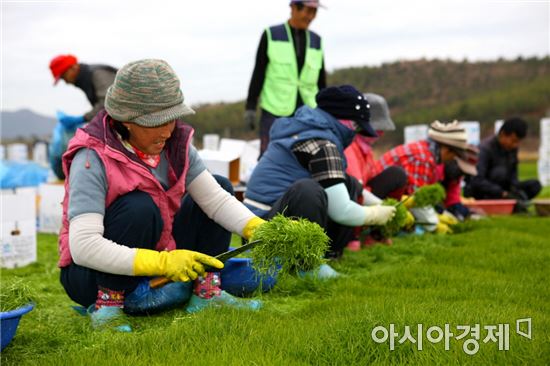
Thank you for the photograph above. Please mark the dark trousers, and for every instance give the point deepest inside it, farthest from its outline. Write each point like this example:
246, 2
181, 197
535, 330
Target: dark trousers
307, 199
134, 220
266, 121
391, 182
530, 187
523, 190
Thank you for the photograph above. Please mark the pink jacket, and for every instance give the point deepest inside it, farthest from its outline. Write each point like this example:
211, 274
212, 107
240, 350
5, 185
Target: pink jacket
126, 173
360, 159
453, 188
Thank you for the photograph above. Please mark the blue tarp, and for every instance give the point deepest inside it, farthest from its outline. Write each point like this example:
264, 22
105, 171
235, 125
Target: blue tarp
14, 174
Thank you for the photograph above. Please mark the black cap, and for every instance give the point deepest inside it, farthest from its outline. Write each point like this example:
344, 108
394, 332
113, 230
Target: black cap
346, 102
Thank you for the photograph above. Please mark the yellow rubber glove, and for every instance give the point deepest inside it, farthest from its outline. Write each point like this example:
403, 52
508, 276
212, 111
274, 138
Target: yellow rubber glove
409, 203
409, 220
442, 228
252, 225
447, 218
177, 265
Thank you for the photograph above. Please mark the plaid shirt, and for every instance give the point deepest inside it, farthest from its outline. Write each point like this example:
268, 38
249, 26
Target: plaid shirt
322, 159
418, 161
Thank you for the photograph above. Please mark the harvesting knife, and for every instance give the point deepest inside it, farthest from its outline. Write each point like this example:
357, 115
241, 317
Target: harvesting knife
223, 257
232, 253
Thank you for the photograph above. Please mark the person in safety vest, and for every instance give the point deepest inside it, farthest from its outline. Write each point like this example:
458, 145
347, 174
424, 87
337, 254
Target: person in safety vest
140, 203
93, 80
289, 69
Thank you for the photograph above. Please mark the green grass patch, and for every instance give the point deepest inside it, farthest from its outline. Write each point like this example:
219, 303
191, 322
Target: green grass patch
14, 293
494, 271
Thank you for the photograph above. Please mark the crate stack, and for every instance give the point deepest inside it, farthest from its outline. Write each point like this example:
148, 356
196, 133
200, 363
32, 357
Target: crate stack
544, 152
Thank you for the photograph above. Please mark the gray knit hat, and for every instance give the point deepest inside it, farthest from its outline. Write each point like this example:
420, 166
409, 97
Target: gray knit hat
147, 93
380, 118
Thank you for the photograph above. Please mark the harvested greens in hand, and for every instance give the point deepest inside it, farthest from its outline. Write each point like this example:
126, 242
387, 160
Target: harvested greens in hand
293, 244
429, 195
393, 226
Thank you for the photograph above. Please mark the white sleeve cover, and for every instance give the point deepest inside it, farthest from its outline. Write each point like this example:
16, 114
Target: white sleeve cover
90, 249
370, 198
342, 209
218, 204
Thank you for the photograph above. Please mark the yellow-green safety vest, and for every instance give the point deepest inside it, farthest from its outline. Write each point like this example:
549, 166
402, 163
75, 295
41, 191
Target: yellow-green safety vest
282, 82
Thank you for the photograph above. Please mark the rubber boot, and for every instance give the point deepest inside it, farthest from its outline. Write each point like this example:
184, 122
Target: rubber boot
323, 272
197, 303
147, 300
109, 317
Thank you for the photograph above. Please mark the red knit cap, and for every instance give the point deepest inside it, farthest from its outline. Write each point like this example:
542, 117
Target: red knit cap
60, 64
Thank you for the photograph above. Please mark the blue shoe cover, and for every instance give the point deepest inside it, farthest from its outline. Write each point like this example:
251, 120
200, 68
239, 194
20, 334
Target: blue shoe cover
323, 272
109, 317
147, 300
197, 304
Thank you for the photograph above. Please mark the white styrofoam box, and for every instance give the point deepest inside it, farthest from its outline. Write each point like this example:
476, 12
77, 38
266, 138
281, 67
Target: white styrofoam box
545, 126
18, 228
545, 133
50, 210
543, 172
221, 163
248, 152
544, 152
415, 133
18, 152
249, 159
232, 146
472, 131
498, 125
40, 153
211, 141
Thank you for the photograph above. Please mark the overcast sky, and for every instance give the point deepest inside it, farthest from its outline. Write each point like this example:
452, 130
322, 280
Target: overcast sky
212, 44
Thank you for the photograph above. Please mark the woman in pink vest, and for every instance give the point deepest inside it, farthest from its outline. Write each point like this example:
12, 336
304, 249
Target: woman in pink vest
139, 202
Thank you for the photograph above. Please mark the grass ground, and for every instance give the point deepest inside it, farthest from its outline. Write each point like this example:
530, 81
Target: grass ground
492, 272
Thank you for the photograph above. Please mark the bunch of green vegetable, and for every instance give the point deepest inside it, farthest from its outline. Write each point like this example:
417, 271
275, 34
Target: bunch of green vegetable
14, 294
393, 226
429, 195
293, 245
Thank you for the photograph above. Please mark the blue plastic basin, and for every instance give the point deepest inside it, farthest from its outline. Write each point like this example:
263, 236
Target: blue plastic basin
9, 320
240, 279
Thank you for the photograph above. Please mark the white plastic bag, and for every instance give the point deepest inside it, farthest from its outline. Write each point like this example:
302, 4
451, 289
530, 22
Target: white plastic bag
425, 216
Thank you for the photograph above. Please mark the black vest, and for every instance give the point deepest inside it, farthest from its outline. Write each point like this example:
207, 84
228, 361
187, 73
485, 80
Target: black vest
84, 80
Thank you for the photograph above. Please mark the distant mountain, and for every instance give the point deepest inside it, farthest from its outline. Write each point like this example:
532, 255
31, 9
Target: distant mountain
421, 91
25, 124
